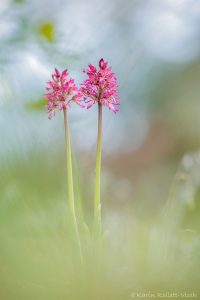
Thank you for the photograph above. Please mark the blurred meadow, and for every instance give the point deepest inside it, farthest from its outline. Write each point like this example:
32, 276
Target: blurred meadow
150, 160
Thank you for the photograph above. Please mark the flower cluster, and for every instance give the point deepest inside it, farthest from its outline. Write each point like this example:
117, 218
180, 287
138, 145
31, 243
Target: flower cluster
100, 86
61, 91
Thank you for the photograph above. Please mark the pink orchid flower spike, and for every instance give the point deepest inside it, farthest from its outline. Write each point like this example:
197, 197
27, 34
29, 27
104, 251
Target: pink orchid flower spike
61, 91
101, 86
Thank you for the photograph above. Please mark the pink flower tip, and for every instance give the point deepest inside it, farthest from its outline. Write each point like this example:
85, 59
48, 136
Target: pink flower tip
102, 64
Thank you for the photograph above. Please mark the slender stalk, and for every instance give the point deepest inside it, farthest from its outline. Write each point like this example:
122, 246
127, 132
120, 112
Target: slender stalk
97, 197
70, 181
77, 190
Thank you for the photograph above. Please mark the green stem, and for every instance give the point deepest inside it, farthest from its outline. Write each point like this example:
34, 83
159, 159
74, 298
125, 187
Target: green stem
70, 181
77, 188
97, 198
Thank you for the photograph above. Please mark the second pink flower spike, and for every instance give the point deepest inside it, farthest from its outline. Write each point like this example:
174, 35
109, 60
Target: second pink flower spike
101, 86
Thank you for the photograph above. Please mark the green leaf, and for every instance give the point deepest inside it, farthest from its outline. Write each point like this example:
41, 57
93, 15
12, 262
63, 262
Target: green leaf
46, 30
19, 1
36, 105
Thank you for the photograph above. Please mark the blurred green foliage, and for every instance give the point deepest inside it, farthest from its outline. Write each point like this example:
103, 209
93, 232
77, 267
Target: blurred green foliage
19, 1
39, 260
36, 105
46, 30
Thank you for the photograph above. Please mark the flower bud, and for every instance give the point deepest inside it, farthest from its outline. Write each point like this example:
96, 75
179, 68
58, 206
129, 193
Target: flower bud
102, 64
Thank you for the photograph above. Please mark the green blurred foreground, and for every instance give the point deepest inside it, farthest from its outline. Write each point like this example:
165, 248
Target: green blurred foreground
38, 259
